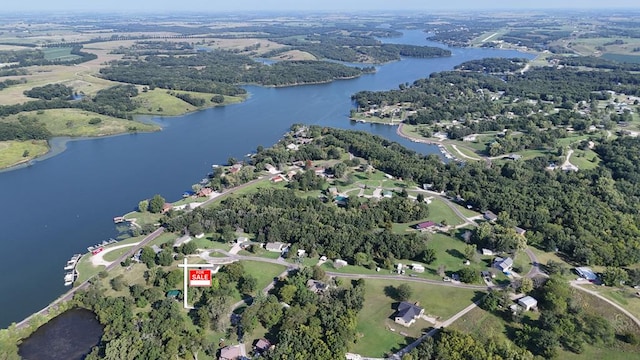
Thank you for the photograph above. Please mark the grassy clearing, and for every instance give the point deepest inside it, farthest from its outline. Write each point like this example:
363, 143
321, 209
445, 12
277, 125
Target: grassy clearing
142, 218
374, 320
439, 211
160, 102
75, 122
61, 54
624, 296
585, 159
481, 323
12, 152
86, 269
264, 272
115, 254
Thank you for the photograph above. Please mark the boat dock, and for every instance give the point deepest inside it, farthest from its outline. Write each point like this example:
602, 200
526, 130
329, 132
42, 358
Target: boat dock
71, 274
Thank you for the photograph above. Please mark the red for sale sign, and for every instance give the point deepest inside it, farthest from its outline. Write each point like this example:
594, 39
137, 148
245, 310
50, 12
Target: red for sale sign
200, 277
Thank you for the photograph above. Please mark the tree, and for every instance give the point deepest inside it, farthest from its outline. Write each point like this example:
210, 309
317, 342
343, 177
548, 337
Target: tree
468, 275
404, 292
287, 293
143, 206
148, 256
469, 251
491, 301
235, 271
189, 248
318, 273
156, 204
526, 285
247, 284
420, 198
614, 276
428, 256
164, 257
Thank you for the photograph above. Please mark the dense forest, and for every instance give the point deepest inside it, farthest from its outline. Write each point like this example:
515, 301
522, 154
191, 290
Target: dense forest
360, 226
220, 72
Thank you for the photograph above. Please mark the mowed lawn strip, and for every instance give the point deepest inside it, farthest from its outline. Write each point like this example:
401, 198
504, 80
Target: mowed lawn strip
375, 317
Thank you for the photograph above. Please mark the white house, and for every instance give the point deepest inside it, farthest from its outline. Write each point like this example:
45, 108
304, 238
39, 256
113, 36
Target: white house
528, 303
417, 268
275, 246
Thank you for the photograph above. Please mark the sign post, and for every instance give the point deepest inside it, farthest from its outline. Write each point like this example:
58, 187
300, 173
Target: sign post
195, 277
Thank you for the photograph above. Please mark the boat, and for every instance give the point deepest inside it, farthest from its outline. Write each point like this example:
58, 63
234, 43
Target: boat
69, 278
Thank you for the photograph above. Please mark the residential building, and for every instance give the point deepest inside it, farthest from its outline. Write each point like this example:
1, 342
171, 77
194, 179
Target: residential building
528, 303
275, 246
408, 313
425, 225
504, 265
235, 352
490, 216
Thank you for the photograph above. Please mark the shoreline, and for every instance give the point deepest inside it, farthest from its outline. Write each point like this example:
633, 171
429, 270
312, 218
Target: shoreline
446, 153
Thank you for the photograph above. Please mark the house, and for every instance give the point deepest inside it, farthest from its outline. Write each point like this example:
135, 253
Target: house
528, 303
338, 263
333, 191
319, 171
520, 231
242, 240
262, 345
301, 252
388, 194
277, 179
488, 274
316, 286
408, 313
235, 168
204, 192
586, 273
292, 147
513, 157
425, 225
417, 268
275, 246
490, 216
166, 207
487, 252
233, 352
504, 265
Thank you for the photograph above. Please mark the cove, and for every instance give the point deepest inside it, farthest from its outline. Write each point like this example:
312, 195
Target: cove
68, 336
59, 206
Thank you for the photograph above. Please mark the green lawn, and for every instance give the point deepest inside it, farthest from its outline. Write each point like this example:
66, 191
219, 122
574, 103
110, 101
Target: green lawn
264, 272
439, 211
12, 152
86, 269
481, 323
143, 217
374, 320
115, 254
585, 159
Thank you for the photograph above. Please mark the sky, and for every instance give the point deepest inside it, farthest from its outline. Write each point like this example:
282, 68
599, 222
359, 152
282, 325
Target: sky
303, 5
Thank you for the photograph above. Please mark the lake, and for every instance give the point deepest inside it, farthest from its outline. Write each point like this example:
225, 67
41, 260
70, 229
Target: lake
61, 205
69, 336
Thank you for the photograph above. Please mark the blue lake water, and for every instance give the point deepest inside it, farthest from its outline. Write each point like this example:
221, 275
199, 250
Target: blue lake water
61, 205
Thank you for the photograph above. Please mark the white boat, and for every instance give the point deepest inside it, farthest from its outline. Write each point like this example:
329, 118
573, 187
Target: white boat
68, 282
70, 265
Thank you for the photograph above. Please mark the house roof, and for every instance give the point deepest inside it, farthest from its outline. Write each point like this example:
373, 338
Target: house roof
173, 293
263, 344
528, 301
504, 264
586, 273
408, 311
489, 215
425, 225
275, 246
230, 352
519, 230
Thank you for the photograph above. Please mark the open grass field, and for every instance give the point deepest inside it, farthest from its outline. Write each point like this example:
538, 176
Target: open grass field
264, 272
623, 296
374, 320
75, 122
12, 152
585, 159
439, 211
60, 54
159, 102
481, 323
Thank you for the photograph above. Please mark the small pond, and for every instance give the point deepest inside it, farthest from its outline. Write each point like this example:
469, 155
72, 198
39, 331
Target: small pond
68, 336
